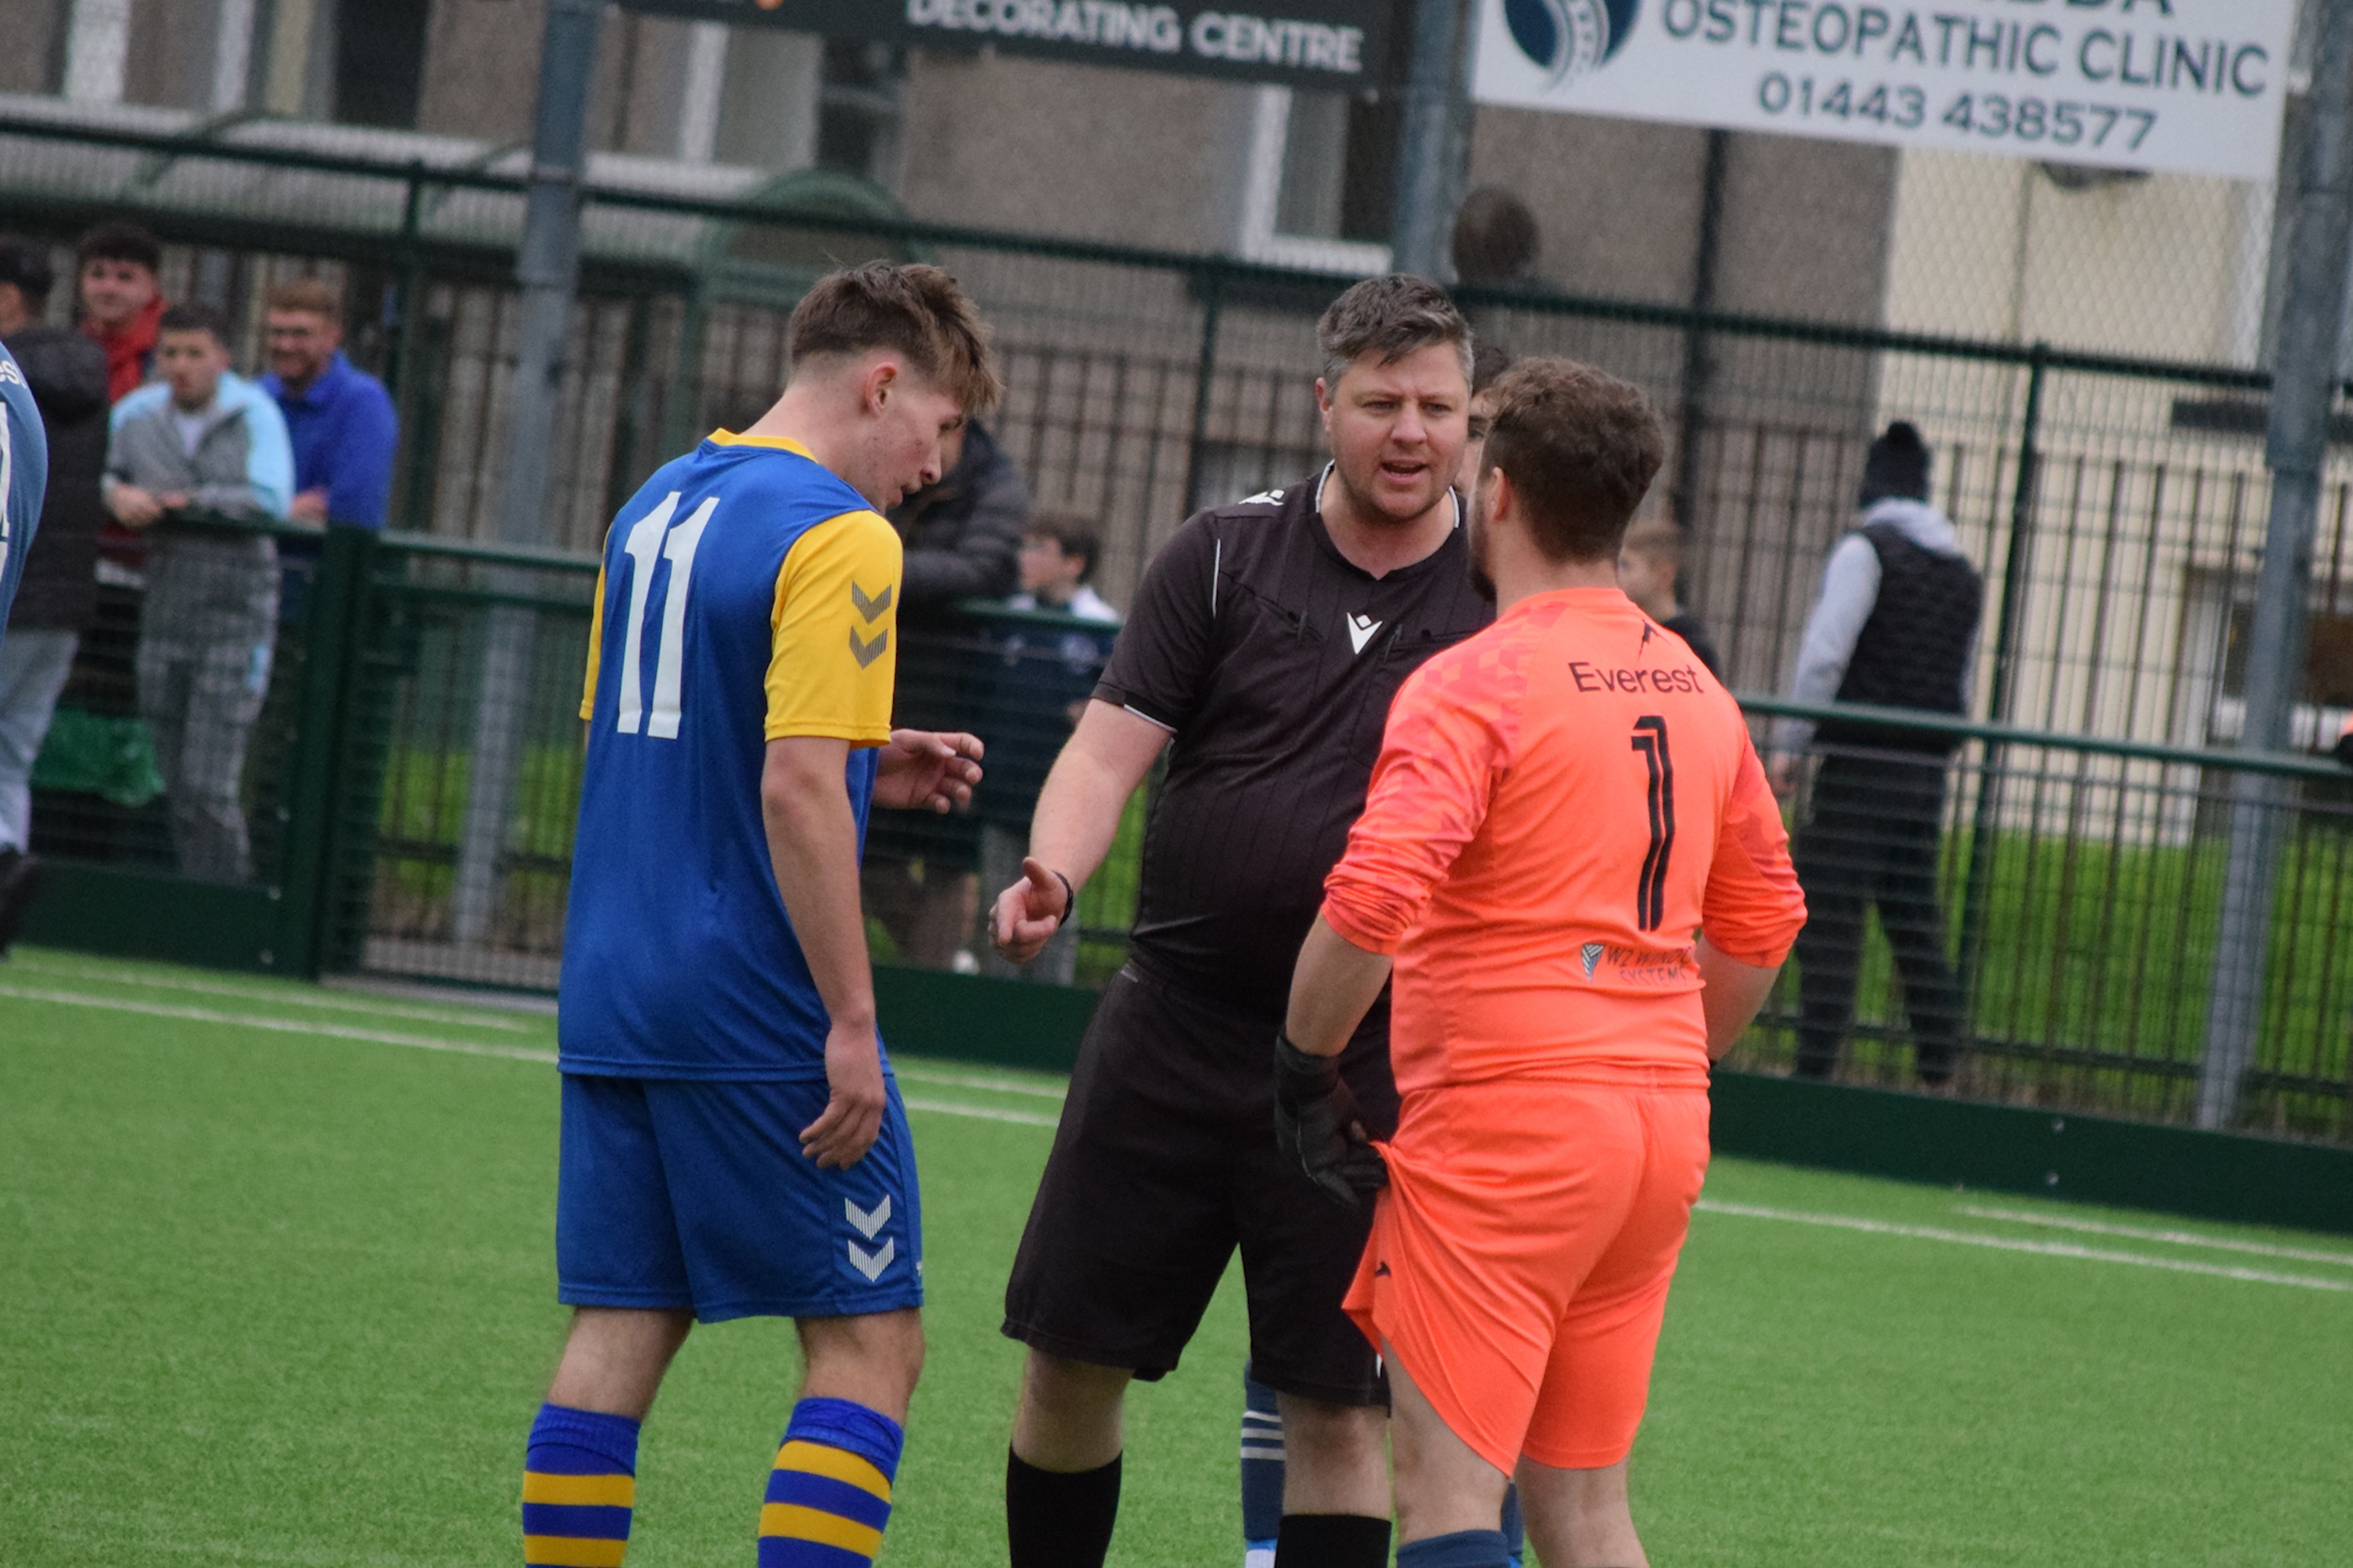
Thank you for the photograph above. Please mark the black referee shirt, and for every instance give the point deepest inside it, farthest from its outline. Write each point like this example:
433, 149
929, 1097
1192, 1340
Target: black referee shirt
1273, 658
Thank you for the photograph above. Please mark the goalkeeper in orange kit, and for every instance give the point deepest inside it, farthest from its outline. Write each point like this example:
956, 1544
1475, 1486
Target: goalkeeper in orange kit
1563, 804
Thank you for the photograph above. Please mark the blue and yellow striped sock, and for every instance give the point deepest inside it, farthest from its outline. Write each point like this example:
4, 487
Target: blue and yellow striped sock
580, 1482
829, 1495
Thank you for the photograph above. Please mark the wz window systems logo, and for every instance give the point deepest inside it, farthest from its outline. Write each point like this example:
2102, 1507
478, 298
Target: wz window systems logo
1570, 37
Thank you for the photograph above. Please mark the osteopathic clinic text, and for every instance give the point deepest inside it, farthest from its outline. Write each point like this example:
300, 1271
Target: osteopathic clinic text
2192, 87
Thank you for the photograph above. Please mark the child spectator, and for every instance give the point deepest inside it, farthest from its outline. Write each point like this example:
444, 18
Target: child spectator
1649, 561
339, 417
187, 459
1058, 557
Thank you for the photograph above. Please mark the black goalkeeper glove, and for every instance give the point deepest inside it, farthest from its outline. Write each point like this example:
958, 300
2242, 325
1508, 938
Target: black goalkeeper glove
1317, 1124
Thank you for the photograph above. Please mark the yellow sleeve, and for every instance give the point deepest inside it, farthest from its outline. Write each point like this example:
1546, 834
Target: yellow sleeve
596, 650
834, 652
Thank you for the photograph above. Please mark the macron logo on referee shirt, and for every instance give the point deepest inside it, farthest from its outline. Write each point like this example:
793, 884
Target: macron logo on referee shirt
1361, 630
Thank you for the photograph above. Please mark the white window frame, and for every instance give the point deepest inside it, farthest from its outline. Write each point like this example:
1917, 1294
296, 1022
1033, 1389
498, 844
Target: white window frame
1262, 191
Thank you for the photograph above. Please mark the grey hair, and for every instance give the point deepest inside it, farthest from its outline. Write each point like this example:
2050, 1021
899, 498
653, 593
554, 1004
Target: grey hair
1391, 317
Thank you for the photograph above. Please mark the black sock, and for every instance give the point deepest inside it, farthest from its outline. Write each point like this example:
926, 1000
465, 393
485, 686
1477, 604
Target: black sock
1332, 1541
1058, 1520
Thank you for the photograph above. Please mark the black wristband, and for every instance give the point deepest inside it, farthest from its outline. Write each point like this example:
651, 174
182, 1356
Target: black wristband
1302, 1076
1069, 901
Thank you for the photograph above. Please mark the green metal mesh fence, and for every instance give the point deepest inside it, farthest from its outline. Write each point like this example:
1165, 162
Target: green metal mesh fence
408, 790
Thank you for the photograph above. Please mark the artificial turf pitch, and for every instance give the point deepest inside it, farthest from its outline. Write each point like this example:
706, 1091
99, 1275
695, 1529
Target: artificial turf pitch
275, 1286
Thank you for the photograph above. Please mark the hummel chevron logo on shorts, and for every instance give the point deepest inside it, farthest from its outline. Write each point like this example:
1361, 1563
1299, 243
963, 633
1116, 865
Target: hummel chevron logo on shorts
869, 1224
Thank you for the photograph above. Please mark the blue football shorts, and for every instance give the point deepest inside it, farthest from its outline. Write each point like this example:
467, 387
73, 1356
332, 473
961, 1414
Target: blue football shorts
677, 1194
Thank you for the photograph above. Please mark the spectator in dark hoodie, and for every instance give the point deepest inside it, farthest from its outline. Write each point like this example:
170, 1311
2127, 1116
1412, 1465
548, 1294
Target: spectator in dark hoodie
963, 534
58, 591
962, 538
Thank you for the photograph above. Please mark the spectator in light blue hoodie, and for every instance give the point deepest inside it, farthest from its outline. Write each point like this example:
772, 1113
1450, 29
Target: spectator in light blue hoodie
194, 460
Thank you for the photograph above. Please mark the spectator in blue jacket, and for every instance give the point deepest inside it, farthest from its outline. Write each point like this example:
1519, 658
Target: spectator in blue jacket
340, 418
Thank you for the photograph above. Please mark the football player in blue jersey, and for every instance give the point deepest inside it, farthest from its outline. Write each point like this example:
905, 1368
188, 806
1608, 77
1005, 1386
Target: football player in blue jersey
24, 475
733, 1144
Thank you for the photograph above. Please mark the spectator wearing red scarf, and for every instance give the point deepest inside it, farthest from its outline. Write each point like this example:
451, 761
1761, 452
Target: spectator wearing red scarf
121, 300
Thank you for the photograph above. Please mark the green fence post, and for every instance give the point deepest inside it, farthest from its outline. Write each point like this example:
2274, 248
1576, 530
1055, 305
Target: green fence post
304, 892
2017, 563
1213, 291
409, 291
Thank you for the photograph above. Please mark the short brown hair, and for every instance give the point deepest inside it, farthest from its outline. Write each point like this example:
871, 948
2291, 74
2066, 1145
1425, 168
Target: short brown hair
1489, 360
1580, 448
915, 309
1389, 317
1496, 238
195, 317
306, 293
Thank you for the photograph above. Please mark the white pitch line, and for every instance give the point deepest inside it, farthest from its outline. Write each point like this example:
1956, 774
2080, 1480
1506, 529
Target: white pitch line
421, 1042
2179, 1238
976, 1080
243, 993
985, 1113
281, 1026
2005, 1243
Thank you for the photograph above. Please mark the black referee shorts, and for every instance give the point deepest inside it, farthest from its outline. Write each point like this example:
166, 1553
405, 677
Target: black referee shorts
1164, 1163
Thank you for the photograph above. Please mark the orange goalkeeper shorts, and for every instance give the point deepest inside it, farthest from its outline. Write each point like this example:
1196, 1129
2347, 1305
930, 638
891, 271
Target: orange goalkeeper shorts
1519, 1261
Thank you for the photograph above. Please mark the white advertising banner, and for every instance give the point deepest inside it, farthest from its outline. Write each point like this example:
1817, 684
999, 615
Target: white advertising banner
2188, 86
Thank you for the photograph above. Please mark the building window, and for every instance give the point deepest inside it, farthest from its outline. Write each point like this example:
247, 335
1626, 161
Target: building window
858, 110
379, 61
1318, 189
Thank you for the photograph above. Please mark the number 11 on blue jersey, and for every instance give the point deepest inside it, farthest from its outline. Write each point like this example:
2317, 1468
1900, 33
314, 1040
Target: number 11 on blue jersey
647, 544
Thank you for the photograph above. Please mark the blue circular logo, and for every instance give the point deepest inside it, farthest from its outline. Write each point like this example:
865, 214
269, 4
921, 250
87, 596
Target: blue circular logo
1569, 37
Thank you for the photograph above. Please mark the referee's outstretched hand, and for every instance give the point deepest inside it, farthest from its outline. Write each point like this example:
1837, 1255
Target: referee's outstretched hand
852, 1120
1028, 913
1317, 1123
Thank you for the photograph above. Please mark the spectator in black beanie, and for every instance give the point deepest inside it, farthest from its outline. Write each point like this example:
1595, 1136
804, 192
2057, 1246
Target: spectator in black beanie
1895, 627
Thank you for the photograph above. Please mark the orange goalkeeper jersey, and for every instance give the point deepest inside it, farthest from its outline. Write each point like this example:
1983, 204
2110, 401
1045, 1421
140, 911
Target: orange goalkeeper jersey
1562, 804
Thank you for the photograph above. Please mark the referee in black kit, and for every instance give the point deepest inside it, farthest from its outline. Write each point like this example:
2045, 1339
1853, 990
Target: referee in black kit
1266, 643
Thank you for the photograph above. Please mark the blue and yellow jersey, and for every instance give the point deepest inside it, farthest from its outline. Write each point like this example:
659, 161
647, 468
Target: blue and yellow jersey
748, 594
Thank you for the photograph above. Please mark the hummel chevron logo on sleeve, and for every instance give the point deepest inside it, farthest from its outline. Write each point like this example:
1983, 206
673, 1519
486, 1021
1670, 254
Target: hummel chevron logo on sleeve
868, 1223
866, 652
869, 608
871, 1264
